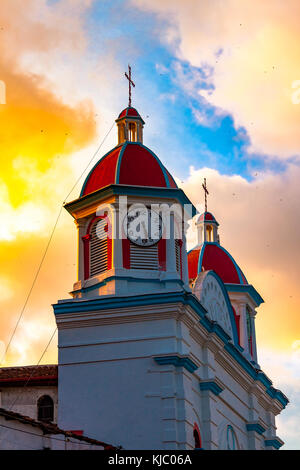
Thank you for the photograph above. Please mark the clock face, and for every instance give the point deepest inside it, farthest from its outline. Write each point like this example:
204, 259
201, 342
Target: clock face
143, 226
209, 292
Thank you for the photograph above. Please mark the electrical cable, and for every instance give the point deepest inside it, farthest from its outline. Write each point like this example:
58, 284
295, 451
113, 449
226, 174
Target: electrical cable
47, 247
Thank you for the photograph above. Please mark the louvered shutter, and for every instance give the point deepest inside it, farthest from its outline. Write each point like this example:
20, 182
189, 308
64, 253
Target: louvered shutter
178, 255
98, 249
143, 257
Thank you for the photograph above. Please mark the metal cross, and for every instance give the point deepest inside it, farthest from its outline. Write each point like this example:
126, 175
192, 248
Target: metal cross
205, 192
130, 82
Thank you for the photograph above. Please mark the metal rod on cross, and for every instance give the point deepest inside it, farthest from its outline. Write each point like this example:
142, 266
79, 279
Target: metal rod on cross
205, 193
130, 82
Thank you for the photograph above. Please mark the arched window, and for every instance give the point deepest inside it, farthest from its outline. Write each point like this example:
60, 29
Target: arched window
237, 322
45, 408
231, 439
249, 329
197, 438
209, 231
132, 132
121, 128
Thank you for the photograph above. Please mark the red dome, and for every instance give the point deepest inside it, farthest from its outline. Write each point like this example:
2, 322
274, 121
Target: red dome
207, 217
132, 112
211, 256
130, 163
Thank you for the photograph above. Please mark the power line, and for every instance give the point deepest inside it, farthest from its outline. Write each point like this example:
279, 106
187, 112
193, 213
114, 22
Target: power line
22, 389
33, 370
48, 244
79, 178
32, 285
55, 438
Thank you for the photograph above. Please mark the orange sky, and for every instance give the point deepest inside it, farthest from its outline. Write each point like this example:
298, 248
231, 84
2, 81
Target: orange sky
51, 123
39, 133
46, 127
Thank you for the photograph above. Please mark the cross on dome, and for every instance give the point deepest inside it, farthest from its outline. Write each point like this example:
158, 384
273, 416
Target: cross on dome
130, 82
205, 193
130, 124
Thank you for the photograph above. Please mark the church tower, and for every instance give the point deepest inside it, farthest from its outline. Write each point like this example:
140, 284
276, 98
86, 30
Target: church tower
157, 346
130, 219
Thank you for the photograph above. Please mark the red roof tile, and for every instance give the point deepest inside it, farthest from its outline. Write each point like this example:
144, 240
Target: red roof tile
50, 428
35, 375
130, 163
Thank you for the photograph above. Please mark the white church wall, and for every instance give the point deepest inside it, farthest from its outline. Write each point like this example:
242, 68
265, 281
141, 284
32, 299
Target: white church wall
108, 371
16, 435
24, 400
111, 388
116, 400
236, 405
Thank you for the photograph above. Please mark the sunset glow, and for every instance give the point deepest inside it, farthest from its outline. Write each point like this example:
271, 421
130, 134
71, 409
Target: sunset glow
215, 89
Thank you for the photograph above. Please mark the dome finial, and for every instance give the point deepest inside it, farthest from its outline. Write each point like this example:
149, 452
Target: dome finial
207, 229
205, 193
130, 82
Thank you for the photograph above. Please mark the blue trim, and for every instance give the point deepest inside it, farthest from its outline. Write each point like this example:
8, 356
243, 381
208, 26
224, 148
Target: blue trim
118, 166
256, 374
143, 191
241, 360
138, 117
125, 278
264, 379
186, 298
212, 386
273, 443
177, 361
96, 164
214, 221
83, 306
238, 269
199, 269
234, 440
246, 288
256, 427
214, 327
278, 395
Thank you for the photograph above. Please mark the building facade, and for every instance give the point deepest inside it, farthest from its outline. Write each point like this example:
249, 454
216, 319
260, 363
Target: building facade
157, 346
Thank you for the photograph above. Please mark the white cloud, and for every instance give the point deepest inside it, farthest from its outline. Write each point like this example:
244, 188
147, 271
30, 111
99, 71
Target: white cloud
251, 49
283, 367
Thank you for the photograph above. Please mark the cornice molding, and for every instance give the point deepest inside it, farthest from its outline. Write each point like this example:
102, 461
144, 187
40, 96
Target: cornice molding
212, 385
275, 442
128, 309
255, 426
177, 361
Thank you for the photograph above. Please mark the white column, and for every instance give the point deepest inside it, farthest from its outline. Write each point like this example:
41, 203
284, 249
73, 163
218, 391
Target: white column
117, 240
200, 235
254, 349
170, 248
185, 271
243, 326
81, 228
215, 233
